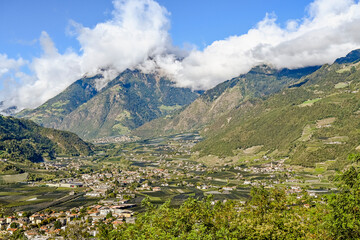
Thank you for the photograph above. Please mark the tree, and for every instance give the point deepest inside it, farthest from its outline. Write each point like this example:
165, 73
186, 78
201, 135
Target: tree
26, 214
18, 234
57, 224
14, 225
355, 157
344, 216
76, 232
109, 215
105, 232
353, 69
147, 204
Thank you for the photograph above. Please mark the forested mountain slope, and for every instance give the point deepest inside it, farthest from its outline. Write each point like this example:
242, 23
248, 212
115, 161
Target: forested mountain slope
238, 92
315, 120
127, 102
22, 140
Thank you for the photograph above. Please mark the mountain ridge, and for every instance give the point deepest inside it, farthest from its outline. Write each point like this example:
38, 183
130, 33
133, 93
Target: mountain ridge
126, 102
314, 122
239, 92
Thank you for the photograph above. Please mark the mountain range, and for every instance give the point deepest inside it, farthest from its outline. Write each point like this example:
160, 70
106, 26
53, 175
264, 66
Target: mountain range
309, 115
125, 103
315, 120
237, 93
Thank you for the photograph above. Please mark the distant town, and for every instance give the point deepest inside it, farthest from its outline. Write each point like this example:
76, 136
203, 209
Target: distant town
106, 192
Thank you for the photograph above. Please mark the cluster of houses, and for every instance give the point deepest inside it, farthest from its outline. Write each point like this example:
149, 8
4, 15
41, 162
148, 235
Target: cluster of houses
115, 139
126, 183
267, 168
50, 223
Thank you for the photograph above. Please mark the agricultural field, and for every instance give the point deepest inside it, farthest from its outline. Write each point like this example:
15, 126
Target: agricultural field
161, 169
19, 196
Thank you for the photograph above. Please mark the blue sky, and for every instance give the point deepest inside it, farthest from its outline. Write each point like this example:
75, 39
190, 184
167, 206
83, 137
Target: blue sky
197, 22
46, 45
203, 21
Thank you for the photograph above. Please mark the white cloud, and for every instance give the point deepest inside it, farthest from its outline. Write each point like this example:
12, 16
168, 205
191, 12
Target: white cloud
8, 66
137, 31
137, 37
10, 69
331, 30
53, 72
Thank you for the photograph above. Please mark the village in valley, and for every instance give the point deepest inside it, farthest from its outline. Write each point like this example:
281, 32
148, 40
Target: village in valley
111, 186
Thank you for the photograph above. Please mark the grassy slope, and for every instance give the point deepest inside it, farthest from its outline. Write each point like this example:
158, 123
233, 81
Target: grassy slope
220, 100
289, 123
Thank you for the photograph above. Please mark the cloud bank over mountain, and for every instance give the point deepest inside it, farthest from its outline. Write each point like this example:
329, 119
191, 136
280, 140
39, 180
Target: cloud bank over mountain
137, 36
331, 29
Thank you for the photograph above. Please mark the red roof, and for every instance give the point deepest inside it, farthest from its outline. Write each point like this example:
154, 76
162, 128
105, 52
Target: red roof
117, 222
31, 233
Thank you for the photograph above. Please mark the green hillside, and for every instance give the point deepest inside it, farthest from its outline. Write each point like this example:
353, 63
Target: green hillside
53, 111
22, 140
236, 93
127, 102
313, 121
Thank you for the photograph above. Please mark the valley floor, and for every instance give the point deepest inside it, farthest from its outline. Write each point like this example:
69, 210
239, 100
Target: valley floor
110, 186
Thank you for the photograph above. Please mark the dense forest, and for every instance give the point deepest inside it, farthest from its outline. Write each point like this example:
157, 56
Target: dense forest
22, 140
